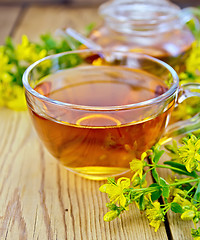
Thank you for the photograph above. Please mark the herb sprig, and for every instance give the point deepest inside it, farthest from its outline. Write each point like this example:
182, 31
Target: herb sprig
14, 59
180, 194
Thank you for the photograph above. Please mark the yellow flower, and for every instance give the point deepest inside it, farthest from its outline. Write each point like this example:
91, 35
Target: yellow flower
5, 67
12, 96
115, 190
17, 99
6, 77
193, 61
155, 215
27, 51
137, 166
189, 154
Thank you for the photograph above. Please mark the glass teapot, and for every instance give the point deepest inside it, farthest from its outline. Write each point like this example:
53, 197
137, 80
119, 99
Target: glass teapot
156, 28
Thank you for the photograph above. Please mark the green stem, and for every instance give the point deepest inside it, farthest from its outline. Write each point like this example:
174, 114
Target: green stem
165, 166
144, 189
192, 188
152, 189
187, 181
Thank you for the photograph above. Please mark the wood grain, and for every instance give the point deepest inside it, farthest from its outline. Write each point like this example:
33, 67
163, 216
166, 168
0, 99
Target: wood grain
8, 18
180, 230
21, 2
39, 199
42, 19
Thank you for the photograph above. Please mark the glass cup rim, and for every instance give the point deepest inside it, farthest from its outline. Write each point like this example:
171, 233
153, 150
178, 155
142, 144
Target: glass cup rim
160, 98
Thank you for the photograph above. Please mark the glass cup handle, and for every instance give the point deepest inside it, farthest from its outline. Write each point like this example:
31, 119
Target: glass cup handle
190, 13
181, 127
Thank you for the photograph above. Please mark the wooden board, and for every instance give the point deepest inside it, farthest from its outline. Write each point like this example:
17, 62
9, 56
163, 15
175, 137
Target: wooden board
179, 229
39, 199
42, 19
21, 2
8, 18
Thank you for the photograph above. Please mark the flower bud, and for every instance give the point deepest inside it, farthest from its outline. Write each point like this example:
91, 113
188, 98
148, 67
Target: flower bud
188, 215
186, 208
196, 220
109, 216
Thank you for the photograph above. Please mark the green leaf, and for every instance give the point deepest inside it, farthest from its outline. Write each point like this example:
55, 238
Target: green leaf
112, 206
163, 183
181, 169
48, 40
158, 156
9, 43
173, 150
157, 193
170, 148
175, 207
197, 194
143, 178
111, 180
195, 232
156, 153
155, 175
165, 188
141, 203
166, 191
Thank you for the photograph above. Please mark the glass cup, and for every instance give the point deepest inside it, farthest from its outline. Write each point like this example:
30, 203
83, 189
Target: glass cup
97, 110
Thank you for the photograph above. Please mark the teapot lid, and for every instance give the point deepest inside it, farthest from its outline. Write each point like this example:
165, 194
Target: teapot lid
139, 10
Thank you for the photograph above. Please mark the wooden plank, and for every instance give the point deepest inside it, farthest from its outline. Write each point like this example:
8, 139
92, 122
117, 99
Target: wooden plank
180, 230
8, 17
39, 199
20, 2
87, 2
42, 19
76, 2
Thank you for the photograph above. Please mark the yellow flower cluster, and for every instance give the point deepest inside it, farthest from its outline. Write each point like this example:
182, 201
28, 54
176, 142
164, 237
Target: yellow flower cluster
11, 92
189, 154
155, 215
193, 61
115, 191
190, 212
11, 95
27, 51
5, 67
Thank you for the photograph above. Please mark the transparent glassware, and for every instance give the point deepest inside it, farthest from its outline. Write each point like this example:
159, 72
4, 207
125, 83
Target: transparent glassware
97, 110
156, 28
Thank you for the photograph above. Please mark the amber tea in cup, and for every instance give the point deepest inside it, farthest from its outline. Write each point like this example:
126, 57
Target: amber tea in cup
98, 114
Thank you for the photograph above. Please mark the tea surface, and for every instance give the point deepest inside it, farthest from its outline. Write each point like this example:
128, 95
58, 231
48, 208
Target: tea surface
99, 144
